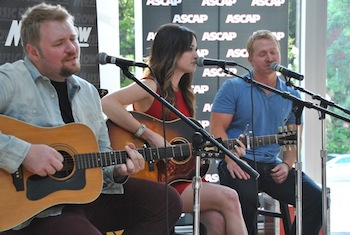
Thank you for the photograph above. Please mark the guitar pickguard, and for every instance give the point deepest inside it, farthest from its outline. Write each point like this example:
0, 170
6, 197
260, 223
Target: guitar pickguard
39, 187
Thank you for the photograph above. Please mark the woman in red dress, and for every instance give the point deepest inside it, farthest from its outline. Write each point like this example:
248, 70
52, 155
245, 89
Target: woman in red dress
172, 60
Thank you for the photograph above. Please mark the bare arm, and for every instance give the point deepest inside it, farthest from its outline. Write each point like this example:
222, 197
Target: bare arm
114, 107
219, 122
280, 172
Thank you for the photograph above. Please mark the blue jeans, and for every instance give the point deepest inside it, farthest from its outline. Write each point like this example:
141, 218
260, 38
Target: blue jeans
285, 192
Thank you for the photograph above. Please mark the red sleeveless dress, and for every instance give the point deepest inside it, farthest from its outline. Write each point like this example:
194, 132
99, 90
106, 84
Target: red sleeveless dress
156, 111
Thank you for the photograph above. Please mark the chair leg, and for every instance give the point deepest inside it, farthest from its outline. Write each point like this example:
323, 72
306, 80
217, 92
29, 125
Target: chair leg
285, 217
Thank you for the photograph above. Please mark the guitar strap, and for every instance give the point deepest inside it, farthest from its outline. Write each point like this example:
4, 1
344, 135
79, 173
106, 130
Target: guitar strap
17, 179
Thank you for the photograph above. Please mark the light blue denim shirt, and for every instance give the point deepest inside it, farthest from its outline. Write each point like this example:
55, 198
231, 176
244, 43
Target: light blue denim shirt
28, 96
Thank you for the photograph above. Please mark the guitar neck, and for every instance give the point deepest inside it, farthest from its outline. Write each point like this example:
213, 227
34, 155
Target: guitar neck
253, 141
102, 159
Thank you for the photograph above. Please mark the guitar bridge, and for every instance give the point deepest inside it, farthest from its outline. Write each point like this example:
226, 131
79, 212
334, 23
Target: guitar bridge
151, 165
17, 179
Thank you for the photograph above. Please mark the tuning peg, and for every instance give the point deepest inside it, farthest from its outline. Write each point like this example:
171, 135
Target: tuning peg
285, 128
290, 127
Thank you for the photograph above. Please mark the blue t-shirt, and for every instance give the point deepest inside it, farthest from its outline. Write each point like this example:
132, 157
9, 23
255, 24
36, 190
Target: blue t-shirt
269, 112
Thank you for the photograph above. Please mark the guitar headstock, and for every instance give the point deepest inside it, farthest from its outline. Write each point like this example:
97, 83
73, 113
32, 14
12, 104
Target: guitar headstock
287, 137
210, 151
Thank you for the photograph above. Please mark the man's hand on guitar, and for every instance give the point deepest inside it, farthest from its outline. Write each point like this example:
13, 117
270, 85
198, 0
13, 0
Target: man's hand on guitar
43, 160
134, 163
234, 169
239, 150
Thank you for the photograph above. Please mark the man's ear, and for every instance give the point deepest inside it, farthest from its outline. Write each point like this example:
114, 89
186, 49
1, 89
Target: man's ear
32, 52
249, 59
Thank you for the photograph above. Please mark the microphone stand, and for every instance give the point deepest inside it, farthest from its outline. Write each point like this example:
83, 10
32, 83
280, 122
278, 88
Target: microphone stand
298, 106
206, 137
323, 152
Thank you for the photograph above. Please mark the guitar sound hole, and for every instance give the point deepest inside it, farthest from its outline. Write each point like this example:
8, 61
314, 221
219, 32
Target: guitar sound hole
180, 158
68, 167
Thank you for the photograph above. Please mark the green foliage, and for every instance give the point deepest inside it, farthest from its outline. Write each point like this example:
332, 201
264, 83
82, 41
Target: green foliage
338, 78
126, 35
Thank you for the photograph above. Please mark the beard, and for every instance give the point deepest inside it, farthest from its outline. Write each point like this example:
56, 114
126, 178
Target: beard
68, 71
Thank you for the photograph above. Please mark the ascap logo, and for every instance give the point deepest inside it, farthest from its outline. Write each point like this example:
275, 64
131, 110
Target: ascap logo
14, 34
163, 2
219, 3
212, 178
237, 53
150, 36
190, 18
203, 52
279, 35
219, 36
243, 18
217, 72
204, 123
200, 89
207, 107
268, 3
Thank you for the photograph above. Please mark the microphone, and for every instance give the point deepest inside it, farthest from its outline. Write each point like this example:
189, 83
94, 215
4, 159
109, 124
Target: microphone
202, 61
286, 72
103, 58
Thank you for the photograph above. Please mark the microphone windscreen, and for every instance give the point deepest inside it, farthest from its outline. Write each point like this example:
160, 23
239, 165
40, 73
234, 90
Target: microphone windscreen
274, 66
102, 58
200, 61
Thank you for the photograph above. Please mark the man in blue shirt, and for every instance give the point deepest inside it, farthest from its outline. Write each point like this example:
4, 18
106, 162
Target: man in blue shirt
238, 103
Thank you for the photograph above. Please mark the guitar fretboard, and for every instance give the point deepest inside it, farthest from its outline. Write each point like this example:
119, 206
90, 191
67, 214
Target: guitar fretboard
151, 154
261, 141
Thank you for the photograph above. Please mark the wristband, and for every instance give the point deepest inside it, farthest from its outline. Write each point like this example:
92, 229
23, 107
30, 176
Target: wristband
140, 131
289, 167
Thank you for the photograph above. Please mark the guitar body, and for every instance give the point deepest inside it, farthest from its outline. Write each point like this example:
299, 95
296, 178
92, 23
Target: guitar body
177, 132
40, 193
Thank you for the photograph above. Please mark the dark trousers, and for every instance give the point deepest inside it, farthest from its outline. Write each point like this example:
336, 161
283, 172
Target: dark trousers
285, 192
140, 210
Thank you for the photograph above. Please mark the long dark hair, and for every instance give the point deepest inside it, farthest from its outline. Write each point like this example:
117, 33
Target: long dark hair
171, 41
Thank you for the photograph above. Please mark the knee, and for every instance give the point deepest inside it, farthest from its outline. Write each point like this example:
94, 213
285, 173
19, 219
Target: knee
175, 202
231, 195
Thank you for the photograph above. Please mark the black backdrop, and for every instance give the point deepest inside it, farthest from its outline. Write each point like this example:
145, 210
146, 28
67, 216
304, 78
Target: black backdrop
85, 22
222, 28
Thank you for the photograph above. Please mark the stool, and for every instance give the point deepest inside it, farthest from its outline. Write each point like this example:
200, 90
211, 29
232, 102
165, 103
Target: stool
283, 214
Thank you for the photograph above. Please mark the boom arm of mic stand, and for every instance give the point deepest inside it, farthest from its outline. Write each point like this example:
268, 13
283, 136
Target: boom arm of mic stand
254, 174
324, 102
288, 96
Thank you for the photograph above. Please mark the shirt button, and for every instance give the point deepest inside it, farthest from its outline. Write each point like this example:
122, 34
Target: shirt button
34, 110
52, 96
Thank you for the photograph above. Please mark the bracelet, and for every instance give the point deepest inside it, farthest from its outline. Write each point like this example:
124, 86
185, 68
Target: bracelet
289, 167
140, 131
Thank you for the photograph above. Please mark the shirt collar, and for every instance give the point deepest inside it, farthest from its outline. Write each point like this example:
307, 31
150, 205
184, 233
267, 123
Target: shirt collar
32, 69
34, 72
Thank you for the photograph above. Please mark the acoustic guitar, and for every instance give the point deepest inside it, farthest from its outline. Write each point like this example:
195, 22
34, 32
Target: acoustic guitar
23, 194
177, 131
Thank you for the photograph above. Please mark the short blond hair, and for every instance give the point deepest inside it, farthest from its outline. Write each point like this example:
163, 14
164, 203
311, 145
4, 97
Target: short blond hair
34, 16
260, 34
